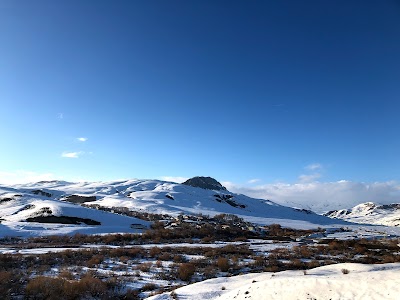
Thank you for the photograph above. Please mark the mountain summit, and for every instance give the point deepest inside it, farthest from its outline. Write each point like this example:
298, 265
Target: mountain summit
207, 183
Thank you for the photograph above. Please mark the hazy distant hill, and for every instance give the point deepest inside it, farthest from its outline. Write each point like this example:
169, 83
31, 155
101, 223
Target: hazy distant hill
369, 213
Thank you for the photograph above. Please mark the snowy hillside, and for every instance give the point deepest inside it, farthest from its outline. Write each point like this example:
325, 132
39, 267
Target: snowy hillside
24, 213
155, 196
46, 201
369, 213
328, 282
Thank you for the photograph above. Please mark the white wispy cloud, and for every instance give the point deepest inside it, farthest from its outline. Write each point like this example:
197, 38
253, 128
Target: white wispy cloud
313, 167
252, 181
323, 196
82, 139
60, 115
72, 154
23, 176
309, 177
177, 179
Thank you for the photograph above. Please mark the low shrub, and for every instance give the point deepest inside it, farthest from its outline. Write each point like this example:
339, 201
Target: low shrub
223, 264
186, 271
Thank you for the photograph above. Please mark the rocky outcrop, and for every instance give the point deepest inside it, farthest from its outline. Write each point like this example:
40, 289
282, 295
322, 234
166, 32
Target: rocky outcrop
207, 183
41, 193
63, 220
221, 198
80, 199
8, 198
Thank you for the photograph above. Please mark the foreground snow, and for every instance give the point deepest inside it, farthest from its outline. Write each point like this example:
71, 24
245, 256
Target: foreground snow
328, 282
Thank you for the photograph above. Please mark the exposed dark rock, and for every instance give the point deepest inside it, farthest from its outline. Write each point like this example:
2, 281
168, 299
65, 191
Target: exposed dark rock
228, 199
169, 196
390, 206
307, 211
330, 213
232, 203
80, 199
41, 193
223, 197
333, 213
5, 200
26, 207
207, 183
44, 211
63, 220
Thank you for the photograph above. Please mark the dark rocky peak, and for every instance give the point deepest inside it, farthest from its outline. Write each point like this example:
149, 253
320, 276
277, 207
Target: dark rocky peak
393, 206
207, 183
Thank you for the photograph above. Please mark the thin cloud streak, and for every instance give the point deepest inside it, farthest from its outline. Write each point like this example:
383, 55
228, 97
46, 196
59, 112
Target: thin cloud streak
313, 167
71, 154
82, 139
252, 181
309, 177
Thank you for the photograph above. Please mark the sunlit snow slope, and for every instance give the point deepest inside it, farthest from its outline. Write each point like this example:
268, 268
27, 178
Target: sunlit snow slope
23, 213
155, 196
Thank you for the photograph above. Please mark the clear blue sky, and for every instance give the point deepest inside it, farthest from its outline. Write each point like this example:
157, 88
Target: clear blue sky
231, 89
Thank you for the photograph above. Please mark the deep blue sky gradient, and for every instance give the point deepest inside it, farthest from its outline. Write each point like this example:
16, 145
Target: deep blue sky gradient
231, 89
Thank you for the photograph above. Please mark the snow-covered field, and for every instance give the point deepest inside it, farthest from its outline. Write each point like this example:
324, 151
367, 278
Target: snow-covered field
329, 282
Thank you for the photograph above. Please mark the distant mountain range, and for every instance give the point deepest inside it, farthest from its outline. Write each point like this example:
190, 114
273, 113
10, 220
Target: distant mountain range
369, 213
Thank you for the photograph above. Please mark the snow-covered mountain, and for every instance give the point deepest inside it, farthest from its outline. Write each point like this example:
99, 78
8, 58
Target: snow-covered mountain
369, 213
26, 212
24, 206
